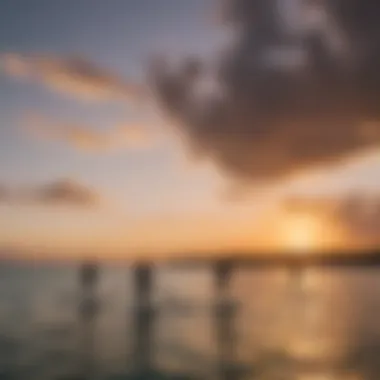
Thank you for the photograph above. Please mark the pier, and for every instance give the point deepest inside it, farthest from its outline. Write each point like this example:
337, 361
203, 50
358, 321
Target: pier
223, 314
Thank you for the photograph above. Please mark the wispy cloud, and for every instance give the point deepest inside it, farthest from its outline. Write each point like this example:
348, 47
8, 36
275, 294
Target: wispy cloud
86, 138
72, 76
65, 192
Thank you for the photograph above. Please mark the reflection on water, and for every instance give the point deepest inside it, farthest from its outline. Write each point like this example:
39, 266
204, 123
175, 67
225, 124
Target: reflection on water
312, 324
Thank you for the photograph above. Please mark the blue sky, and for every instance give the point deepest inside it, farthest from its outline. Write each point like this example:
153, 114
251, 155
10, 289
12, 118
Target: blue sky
118, 36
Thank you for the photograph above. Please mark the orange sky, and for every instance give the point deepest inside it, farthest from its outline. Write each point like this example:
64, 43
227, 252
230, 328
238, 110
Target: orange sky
87, 169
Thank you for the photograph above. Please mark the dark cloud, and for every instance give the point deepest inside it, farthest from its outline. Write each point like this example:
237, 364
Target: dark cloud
62, 192
73, 76
296, 89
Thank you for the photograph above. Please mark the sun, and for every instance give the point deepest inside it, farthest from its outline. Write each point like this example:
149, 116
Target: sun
300, 233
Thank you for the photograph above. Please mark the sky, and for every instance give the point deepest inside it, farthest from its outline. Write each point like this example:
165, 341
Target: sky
90, 164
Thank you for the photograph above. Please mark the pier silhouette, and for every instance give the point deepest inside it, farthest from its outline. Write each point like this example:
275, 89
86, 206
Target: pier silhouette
222, 309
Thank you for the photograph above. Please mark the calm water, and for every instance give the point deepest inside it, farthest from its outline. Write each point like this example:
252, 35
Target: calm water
309, 323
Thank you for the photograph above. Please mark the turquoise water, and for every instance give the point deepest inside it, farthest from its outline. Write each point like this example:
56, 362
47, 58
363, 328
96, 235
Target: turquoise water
324, 317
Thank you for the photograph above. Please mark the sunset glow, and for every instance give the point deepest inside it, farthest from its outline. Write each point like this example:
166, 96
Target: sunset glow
301, 233
92, 147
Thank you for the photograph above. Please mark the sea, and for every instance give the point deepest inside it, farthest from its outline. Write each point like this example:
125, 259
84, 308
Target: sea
305, 324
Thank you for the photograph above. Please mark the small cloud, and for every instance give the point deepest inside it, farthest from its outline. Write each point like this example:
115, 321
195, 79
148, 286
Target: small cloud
310, 204
86, 138
135, 136
3, 193
73, 76
61, 192
14, 65
67, 192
